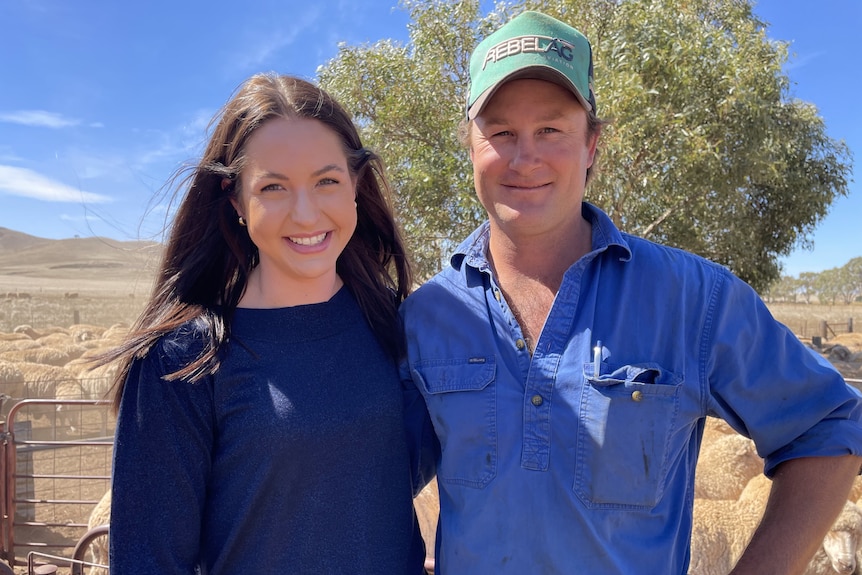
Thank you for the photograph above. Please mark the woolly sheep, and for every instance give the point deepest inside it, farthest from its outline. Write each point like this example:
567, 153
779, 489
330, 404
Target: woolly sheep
98, 381
83, 332
715, 425
28, 331
427, 505
10, 374
44, 355
56, 339
723, 528
838, 552
100, 515
50, 382
724, 467
84, 362
116, 333
856, 490
15, 344
11, 383
13, 336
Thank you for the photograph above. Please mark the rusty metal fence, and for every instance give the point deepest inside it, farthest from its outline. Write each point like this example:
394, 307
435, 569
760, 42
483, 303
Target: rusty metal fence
55, 464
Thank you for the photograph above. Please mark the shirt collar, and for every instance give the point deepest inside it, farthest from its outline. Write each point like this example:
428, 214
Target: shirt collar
606, 236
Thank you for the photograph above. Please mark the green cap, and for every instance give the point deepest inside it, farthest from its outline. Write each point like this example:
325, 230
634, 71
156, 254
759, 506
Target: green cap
531, 45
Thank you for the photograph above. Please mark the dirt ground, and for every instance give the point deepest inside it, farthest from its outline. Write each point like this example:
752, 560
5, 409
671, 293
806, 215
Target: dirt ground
844, 351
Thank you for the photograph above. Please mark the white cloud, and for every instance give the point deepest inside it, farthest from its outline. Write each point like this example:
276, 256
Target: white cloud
29, 184
39, 118
254, 52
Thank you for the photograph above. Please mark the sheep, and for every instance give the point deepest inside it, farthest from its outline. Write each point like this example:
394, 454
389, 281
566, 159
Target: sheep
856, 490
28, 331
427, 505
116, 333
56, 339
723, 528
10, 375
13, 336
11, 384
724, 467
715, 425
837, 553
72, 350
51, 382
98, 381
16, 344
100, 515
45, 355
84, 332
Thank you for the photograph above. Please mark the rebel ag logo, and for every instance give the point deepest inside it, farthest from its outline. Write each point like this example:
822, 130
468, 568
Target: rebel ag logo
529, 45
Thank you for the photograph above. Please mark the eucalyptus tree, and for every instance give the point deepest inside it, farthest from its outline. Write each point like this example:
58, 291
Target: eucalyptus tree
705, 149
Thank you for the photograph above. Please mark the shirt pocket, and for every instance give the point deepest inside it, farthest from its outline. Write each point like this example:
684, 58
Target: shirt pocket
462, 396
627, 418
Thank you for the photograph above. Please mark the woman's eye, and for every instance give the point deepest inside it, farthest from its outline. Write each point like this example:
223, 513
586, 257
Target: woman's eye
271, 187
327, 182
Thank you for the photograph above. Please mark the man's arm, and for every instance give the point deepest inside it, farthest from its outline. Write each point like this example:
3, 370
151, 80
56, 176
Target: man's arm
807, 495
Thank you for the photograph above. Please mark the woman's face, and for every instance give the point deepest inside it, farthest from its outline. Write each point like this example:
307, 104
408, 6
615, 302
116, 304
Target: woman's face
298, 201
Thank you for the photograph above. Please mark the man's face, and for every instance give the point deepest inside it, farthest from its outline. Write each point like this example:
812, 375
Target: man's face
530, 153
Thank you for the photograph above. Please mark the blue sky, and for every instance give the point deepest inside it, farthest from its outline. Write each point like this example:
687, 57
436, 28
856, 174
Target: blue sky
100, 101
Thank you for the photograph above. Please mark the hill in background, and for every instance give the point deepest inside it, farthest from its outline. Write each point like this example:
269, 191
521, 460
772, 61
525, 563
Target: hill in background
33, 264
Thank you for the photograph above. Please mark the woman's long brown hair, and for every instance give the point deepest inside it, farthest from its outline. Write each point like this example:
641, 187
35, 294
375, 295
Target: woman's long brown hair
208, 256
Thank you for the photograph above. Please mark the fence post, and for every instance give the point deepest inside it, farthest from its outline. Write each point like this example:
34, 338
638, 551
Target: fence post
849, 325
823, 329
76, 317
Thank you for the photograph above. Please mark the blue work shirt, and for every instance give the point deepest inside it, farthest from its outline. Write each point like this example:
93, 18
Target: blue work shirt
576, 461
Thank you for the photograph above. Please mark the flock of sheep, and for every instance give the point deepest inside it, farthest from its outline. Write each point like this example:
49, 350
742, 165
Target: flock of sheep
730, 496
53, 363
730, 488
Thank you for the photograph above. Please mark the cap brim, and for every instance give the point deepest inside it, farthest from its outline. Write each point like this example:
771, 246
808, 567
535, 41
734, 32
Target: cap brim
537, 72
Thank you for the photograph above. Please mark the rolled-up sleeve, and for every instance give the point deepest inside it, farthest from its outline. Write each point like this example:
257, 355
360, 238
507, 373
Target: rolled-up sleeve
772, 388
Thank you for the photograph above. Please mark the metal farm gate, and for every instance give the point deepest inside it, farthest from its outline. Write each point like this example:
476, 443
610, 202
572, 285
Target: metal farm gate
55, 465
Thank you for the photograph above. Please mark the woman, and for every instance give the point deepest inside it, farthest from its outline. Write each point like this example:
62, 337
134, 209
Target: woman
260, 425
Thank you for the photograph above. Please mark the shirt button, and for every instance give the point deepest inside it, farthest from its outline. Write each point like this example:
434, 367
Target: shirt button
537, 400
497, 294
519, 343
637, 395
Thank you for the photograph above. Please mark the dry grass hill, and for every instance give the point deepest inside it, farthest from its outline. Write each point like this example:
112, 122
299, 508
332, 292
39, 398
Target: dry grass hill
56, 282
74, 259
34, 264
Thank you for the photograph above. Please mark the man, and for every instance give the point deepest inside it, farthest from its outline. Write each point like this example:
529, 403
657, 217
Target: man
568, 368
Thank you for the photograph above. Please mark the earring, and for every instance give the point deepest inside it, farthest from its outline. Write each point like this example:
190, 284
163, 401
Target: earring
242, 221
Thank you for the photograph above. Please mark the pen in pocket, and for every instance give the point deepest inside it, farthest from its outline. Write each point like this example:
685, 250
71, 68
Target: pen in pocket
597, 359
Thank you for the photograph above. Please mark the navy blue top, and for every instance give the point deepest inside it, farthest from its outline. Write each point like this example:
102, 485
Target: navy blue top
291, 459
